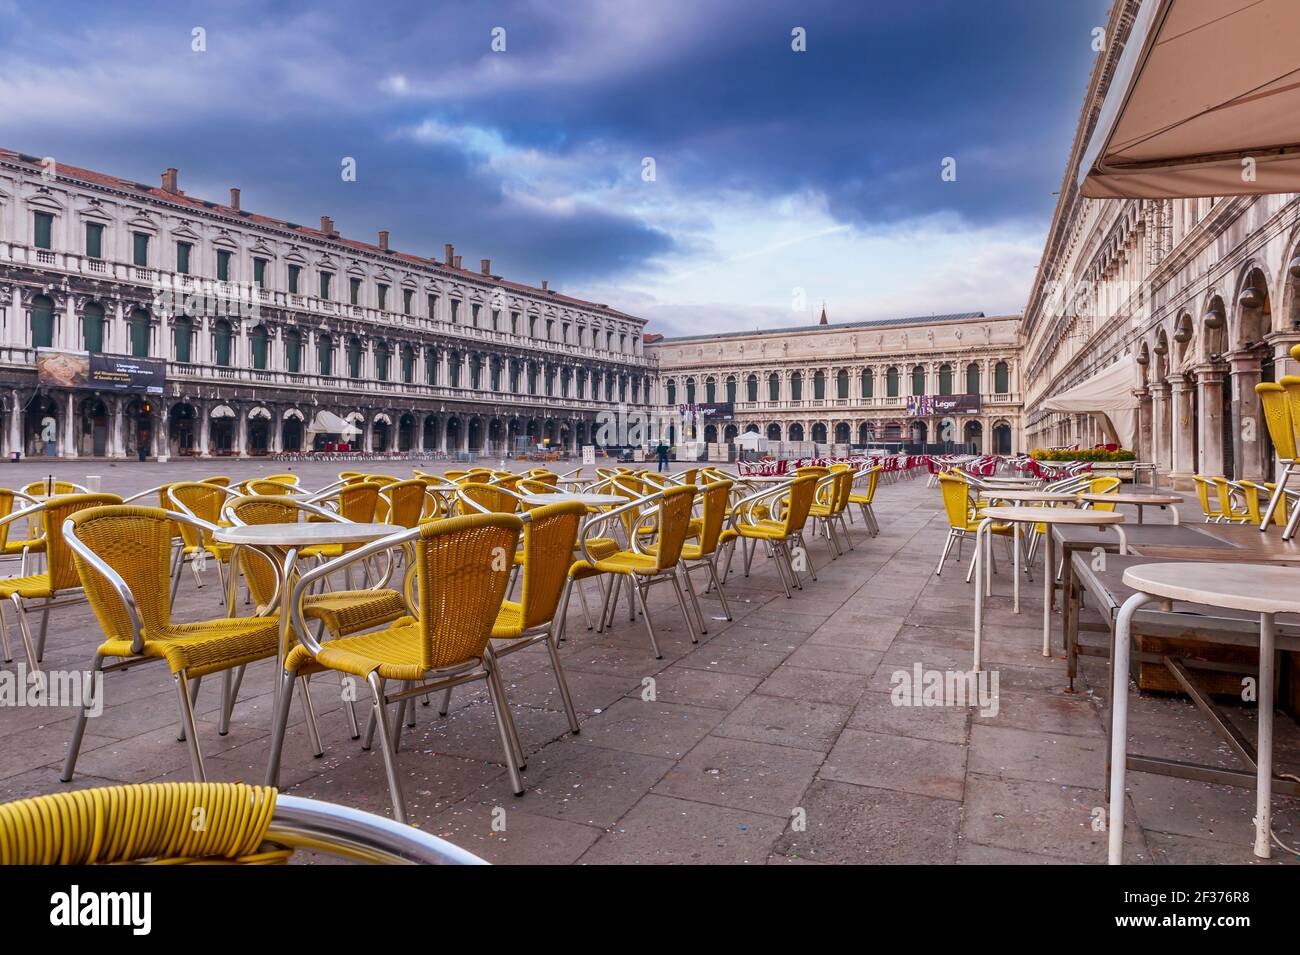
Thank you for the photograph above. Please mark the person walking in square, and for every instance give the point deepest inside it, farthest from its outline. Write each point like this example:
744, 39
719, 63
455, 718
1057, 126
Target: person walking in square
662, 452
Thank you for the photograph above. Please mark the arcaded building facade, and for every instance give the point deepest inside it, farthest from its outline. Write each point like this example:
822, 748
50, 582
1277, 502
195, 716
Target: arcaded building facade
238, 330
1196, 298
850, 383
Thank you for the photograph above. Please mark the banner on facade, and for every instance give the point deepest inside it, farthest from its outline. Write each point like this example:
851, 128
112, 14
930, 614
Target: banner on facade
923, 405
96, 371
711, 412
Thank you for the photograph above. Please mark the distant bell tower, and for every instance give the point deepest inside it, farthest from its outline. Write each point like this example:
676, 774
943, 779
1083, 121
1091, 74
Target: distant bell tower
823, 321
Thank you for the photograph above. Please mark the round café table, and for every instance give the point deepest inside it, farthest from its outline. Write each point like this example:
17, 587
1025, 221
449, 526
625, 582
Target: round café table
280, 543
1265, 589
1017, 497
1033, 515
1140, 501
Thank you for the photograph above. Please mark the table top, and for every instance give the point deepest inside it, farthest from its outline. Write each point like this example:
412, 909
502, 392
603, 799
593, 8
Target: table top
1159, 535
1052, 515
562, 497
1011, 494
1257, 588
767, 478
1126, 497
1011, 479
303, 534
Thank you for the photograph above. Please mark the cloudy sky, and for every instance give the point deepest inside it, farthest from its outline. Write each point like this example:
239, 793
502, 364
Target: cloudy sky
676, 158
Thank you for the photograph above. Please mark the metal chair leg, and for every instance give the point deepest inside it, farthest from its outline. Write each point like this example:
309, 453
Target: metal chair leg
695, 600
191, 730
681, 602
380, 711
79, 728
717, 585
309, 708
496, 693
649, 624
278, 729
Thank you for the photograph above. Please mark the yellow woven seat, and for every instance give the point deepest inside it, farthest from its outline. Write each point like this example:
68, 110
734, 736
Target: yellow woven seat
203, 647
393, 653
628, 562
30, 587
347, 611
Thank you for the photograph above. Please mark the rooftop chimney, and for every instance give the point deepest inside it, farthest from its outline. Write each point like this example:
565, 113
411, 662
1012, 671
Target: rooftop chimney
327, 225
383, 239
449, 255
457, 263
486, 266
234, 199
545, 285
169, 181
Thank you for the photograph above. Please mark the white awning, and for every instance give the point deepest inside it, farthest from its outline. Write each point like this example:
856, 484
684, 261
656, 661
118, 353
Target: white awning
1108, 395
750, 439
327, 422
1205, 101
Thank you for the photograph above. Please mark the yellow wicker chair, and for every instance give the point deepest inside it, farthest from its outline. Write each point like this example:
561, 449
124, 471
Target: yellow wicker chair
57, 585
152, 823
702, 543
963, 518
829, 505
461, 569
1208, 497
1232, 507
22, 545
669, 513
474, 497
1277, 407
794, 501
121, 554
354, 502
202, 501
406, 502
863, 494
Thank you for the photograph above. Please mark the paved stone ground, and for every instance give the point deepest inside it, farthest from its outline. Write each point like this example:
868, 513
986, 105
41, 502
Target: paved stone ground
783, 715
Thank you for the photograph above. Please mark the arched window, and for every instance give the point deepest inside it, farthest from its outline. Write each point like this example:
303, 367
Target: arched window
972, 379
42, 322
182, 337
292, 351
672, 390
868, 383
139, 322
690, 388
774, 432
325, 355
819, 433
891, 383
819, 384
431, 367
731, 389
92, 327
842, 383
710, 390
1002, 378
751, 388
796, 387
918, 380
945, 379
354, 357
381, 361
221, 338
774, 387
408, 365
258, 340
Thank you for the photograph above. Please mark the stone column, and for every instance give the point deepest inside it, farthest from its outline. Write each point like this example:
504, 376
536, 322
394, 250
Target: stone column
15, 442
1248, 427
1184, 461
1160, 430
241, 433
205, 429
1145, 449
1209, 420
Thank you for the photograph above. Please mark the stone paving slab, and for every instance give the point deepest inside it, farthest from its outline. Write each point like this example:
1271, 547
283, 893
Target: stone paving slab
778, 738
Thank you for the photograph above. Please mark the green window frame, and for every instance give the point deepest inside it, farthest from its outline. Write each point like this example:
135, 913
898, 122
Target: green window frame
891, 383
259, 273
182, 335
354, 358
42, 322
292, 352
223, 265
259, 341
139, 325
325, 355
295, 273
1002, 378
183, 250
222, 335
140, 249
972, 379
408, 296
94, 240
354, 291
92, 327
325, 279
382, 291
42, 230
